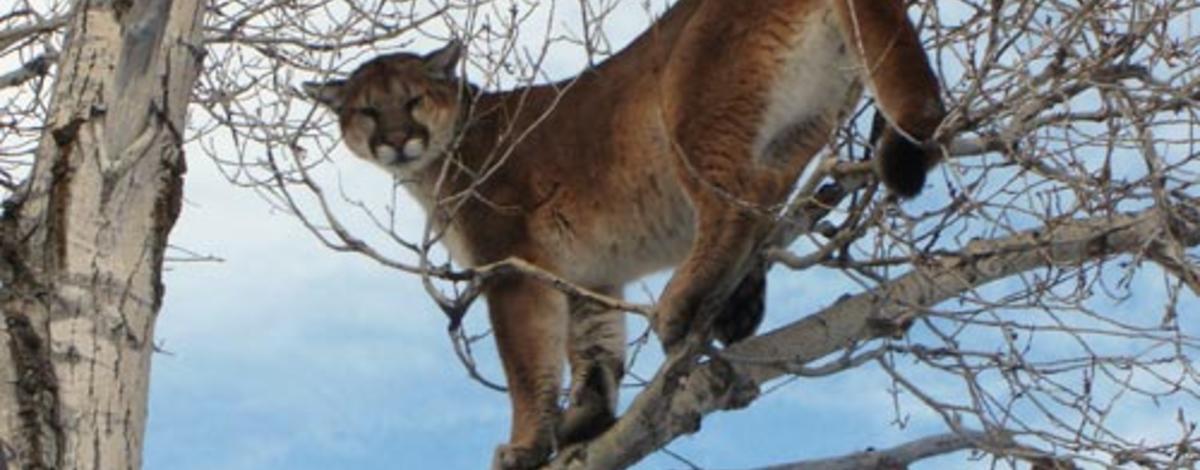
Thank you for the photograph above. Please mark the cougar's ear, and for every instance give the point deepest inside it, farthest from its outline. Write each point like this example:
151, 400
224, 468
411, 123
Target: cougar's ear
330, 93
442, 62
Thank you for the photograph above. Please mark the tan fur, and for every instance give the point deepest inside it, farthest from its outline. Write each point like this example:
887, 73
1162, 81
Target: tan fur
665, 155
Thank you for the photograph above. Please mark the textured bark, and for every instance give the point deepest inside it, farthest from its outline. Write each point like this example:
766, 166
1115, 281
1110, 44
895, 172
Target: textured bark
676, 400
83, 240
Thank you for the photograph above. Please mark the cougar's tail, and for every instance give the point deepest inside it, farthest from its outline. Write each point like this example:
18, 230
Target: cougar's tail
907, 93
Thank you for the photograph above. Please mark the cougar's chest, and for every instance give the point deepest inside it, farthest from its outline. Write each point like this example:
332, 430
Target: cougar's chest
813, 85
443, 229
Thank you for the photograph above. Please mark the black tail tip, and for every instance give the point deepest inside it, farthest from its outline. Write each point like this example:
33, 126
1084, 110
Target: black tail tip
903, 164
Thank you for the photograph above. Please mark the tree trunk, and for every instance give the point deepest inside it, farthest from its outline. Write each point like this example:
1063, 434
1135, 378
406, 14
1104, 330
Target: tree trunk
81, 245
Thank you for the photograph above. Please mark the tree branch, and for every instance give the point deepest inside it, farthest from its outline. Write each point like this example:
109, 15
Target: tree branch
37, 67
896, 457
672, 405
9, 37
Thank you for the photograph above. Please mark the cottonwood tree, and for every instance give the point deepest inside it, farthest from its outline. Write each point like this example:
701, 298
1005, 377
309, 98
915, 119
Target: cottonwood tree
92, 173
1002, 301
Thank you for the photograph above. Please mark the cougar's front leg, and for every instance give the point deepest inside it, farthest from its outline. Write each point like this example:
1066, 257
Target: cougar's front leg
529, 321
596, 350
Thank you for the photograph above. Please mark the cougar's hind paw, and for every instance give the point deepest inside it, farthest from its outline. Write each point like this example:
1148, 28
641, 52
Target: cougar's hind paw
584, 423
510, 457
744, 310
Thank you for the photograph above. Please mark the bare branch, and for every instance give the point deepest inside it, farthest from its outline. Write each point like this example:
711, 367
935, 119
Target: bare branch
38, 67
522, 267
11, 36
898, 457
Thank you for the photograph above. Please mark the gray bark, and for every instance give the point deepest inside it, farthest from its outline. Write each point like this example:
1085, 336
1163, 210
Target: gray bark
82, 242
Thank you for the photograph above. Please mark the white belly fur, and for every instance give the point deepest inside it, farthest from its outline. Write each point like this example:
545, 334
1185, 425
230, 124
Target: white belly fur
629, 244
451, 238
817, 81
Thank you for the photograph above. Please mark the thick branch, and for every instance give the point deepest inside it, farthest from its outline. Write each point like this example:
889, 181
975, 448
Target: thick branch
672, 405
858, 318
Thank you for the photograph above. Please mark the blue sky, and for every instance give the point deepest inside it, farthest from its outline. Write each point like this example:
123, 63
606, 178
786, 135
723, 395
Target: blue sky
287, 355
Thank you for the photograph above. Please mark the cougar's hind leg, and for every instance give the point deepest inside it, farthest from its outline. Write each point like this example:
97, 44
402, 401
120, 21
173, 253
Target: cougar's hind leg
596, 351
529, 322
730, 193
721, 256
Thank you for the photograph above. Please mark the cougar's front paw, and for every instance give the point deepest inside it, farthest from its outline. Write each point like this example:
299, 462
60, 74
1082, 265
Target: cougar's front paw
511, 457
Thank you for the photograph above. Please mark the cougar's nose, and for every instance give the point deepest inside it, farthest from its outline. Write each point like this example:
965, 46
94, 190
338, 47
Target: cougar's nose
384, 152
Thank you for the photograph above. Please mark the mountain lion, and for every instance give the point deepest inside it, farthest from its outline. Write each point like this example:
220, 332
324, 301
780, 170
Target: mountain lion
669, 154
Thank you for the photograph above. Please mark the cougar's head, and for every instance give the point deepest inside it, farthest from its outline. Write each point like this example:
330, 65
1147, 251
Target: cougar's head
399, 111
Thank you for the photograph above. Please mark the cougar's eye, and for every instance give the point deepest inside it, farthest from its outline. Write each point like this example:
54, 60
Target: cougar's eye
369, 111
413, 102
